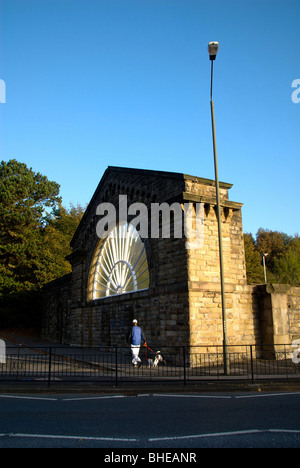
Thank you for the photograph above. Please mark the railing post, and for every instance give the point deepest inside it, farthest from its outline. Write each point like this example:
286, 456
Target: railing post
252, 367
18, 364
116, 382
49, 367
286, 361
184, 368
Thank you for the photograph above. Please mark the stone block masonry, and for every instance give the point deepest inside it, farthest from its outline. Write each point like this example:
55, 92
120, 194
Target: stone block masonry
181, 306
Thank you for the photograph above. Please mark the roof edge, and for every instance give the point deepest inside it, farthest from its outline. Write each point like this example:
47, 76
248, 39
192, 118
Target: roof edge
165, 174
174, 175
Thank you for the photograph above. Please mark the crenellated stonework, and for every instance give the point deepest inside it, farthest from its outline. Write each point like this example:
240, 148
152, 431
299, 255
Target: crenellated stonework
182, 305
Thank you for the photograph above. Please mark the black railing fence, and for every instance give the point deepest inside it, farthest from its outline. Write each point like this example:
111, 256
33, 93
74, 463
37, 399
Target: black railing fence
114, 364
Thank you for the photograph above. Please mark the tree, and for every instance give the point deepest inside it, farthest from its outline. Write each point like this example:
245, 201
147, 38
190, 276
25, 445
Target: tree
254, 268
273, 243
58, 233
25, 197
282, 261
287, 266
35, 235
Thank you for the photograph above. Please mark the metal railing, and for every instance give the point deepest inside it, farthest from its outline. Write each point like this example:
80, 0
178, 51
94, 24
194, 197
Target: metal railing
113, 364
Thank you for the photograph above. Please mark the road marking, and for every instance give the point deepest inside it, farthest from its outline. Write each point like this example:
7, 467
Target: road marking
55, 436
224, 434
267, 395
293, 431
110, 397
160, 395
18, 397
143, 395
198, 436
153, 439
192, 396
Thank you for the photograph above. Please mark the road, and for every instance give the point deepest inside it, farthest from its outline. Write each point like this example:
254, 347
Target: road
150, 420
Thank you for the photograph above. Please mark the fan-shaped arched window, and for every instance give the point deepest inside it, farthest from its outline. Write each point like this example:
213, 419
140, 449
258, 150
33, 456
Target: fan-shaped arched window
121, 265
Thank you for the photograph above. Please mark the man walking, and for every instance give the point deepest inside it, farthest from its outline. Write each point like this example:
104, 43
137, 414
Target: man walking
135, 337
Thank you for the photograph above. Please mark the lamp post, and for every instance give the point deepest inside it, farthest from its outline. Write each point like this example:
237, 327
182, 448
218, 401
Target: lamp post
264, 255
213, 48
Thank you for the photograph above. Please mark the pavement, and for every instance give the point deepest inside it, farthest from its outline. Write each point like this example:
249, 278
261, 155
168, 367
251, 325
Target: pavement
25, 338
30, 339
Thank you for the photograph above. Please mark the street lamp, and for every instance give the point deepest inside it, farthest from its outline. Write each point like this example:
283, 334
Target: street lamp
213, 48
264, 255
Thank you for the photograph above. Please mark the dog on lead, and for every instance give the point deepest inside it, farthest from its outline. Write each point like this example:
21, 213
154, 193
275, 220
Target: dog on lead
158, 358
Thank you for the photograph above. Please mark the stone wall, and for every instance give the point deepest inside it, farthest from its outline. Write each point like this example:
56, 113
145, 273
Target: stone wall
242, 315
206, 323
279, 306
175, 272
56, 324
293, 303
183, 303
162, 310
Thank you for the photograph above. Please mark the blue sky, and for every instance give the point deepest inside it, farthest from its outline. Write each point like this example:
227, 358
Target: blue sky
94, 83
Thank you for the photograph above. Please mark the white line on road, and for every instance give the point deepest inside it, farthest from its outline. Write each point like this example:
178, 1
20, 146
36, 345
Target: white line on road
224, 434
293, 431
110, 397
52, 436
197, 436
157, 395
18, 397
260, 395
153, 439
191, 396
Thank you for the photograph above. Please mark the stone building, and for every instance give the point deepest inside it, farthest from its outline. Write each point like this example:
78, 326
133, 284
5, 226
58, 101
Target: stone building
170, 286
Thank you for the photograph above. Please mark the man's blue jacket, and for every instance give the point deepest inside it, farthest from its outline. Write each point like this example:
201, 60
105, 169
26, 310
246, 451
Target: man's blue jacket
136, 336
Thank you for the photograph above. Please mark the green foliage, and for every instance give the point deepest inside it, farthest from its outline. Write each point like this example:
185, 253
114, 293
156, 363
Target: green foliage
282, 260
24, 198
255, 272
57, 235
287, 266
35, 235
35, 232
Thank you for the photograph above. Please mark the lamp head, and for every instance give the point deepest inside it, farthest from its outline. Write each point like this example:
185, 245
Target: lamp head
213, 48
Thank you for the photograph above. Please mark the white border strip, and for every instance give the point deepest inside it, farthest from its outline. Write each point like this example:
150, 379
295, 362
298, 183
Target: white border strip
191, 396
267, 395
198, 436
95, 398
18, 397
81, 438
153, 439
225, 434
